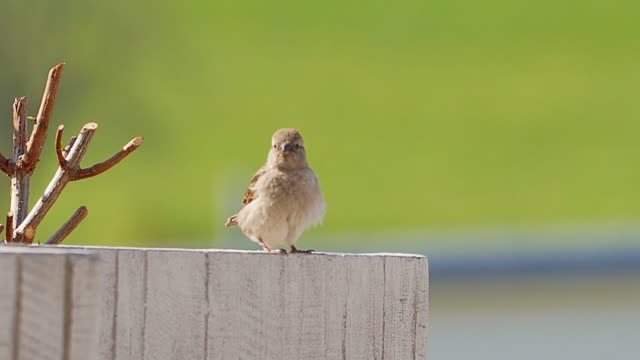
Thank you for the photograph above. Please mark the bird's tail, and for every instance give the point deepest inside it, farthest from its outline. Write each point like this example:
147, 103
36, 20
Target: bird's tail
232, 221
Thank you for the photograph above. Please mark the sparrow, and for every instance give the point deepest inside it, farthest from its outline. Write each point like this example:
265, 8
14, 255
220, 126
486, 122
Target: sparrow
284, 197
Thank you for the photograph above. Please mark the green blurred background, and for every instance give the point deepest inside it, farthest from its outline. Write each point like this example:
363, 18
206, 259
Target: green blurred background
418, 115
451, 128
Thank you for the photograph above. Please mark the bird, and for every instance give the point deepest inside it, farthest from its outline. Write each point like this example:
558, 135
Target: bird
284, 198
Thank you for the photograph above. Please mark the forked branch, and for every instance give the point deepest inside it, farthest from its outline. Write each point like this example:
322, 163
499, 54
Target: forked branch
22, 224
99, 168
69, 170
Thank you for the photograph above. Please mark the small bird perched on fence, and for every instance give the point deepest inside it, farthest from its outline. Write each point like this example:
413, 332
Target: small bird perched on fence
284, 197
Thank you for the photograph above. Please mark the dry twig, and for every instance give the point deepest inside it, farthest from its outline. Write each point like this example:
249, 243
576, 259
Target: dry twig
20, 179
21, 224
59, 150
57, 184
69, 170
39, 133
99, 168
9, 234
68, 226
67, 147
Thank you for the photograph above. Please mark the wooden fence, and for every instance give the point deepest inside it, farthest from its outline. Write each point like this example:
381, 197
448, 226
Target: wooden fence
141, 304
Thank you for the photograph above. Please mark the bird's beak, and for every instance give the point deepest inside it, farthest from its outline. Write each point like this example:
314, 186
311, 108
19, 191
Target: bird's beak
286, 147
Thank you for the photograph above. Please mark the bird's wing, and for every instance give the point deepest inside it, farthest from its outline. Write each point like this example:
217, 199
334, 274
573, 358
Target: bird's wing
250, 194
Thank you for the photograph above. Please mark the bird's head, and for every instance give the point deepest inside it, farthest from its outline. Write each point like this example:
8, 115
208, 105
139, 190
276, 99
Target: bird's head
287, 150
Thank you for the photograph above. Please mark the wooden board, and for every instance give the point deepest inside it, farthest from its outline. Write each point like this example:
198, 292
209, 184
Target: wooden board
47, 303
212, 304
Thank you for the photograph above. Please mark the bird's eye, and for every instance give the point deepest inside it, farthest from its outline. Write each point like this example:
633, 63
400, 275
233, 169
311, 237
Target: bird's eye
274, 146
297, 146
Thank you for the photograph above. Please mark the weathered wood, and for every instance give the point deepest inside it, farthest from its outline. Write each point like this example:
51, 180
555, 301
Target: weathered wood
213, 304
129, 328
402, 306
48, 304
9, 303
42, 319
176, 304
82, 307
106, 317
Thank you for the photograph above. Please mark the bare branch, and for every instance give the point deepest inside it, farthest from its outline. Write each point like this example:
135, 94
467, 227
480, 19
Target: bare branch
99, 168
22, 224
9, 234
59, 151
68, 147
39, 133
68, 226
58, 183
20, 179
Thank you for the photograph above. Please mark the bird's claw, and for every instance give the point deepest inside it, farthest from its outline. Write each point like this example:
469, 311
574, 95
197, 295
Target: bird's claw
296, 250
274, 251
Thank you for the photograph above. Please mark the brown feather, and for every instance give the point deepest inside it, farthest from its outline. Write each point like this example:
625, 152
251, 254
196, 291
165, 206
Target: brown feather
250, 194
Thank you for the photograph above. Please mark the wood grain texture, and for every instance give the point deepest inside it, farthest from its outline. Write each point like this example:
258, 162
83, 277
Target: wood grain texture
131, 303
9, 276
422, 308
82, 305
48, 303
296, 306
175, 313
403, 302
365, 308
41, 332
213, 304
106, 313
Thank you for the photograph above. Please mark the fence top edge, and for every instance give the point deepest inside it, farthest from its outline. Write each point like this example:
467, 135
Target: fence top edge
21, 249
232, 251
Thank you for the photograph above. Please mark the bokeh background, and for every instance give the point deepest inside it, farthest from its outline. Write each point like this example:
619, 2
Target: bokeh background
500, 138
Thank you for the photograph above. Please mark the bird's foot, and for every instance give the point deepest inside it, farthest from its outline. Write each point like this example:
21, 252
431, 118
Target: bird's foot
279, 251
270, 250
296, 250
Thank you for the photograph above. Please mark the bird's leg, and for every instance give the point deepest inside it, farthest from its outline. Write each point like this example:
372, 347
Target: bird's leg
268, 249
264, 246
295, 250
